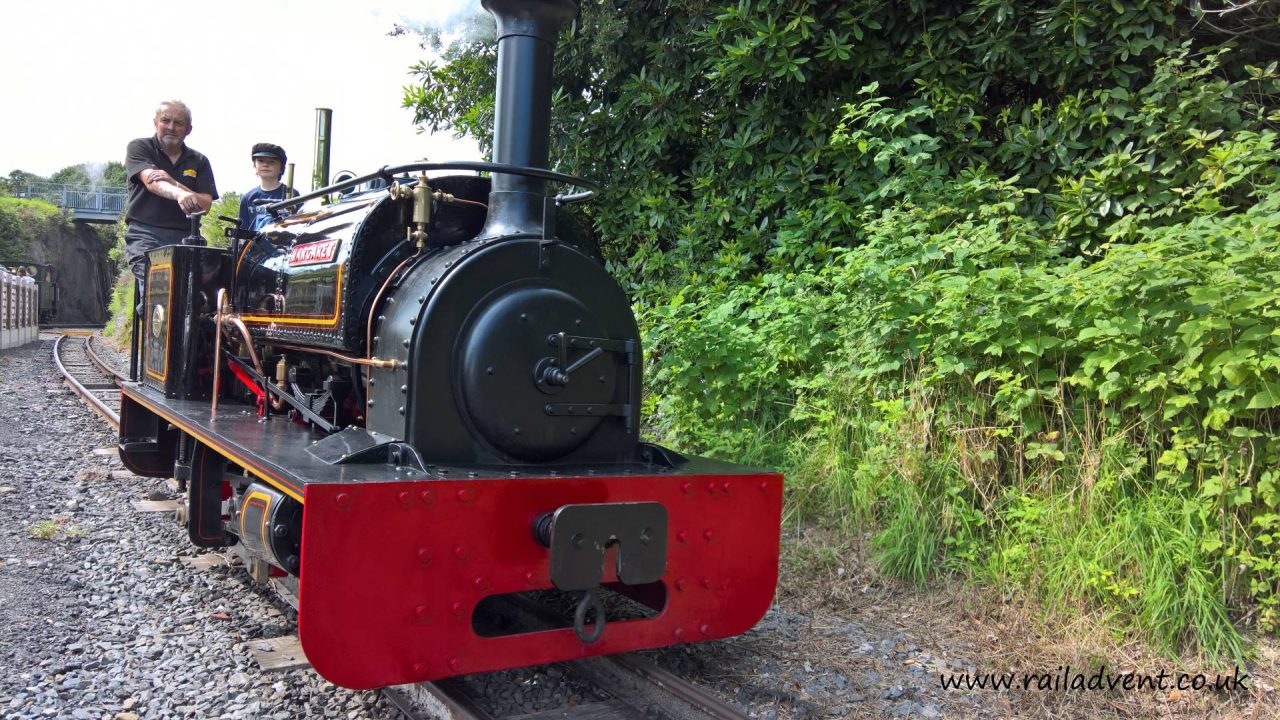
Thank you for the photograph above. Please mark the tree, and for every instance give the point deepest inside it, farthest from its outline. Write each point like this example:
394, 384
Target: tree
71, 175
93, 174
16, 183
114, 174
713, 122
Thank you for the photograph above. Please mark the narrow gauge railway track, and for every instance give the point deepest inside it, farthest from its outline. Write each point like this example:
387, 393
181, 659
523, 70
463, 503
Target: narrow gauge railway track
84, 371
636, 689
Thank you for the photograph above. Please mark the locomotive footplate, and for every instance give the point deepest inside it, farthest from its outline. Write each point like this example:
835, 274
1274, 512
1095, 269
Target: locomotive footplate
289, 456
278, 451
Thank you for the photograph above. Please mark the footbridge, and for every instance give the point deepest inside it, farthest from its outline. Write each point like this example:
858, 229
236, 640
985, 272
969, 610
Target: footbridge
85, 203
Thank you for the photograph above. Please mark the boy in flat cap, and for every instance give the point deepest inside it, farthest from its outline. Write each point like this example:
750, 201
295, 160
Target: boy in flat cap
268, 165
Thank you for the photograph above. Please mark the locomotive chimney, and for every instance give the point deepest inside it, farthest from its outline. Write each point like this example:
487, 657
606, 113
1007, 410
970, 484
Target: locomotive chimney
527, 31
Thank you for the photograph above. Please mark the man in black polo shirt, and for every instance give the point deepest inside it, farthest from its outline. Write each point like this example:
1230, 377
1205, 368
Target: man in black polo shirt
167, 180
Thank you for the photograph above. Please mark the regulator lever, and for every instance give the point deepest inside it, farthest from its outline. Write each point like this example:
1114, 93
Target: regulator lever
194, 238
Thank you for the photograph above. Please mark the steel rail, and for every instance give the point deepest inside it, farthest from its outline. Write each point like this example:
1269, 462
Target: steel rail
638, 688
106, 368
78, 387
433, 701
699, 700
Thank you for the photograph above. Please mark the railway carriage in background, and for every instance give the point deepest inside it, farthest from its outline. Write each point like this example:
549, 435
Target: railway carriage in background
420, 407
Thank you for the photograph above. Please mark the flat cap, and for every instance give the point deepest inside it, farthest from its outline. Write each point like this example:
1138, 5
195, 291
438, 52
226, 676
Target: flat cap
269, 150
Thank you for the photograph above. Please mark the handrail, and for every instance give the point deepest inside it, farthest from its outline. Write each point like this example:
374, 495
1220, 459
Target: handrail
40, 187
388, 173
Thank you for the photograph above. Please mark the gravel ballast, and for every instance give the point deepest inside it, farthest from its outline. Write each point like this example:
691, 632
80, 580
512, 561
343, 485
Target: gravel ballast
102, 619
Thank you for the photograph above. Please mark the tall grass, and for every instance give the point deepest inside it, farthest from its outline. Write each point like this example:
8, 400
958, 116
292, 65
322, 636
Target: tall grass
120, 323
1090, 532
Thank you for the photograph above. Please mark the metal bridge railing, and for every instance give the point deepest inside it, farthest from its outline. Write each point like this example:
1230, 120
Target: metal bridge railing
100, 198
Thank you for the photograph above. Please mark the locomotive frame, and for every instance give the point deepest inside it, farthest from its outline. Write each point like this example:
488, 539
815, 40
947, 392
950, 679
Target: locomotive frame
421, 404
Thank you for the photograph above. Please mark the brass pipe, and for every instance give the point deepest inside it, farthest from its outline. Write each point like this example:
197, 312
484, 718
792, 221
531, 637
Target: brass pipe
282, 377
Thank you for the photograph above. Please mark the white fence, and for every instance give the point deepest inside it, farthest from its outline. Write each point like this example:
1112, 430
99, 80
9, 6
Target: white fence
19, 310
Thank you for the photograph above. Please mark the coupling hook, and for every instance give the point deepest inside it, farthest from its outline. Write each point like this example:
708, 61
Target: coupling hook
589, 601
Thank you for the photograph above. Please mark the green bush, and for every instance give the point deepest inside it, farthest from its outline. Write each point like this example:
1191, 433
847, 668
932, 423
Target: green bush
24, 221
120, 310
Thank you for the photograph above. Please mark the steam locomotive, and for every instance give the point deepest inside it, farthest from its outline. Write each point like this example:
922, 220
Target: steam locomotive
419, 406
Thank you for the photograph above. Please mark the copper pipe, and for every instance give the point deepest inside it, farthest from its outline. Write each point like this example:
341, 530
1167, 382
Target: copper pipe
244, 251
224, 318
460, 201
235, 321
378, 297
367, 362
219, 303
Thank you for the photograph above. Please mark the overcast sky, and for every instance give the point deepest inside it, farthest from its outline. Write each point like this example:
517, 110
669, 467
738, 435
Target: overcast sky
81, 78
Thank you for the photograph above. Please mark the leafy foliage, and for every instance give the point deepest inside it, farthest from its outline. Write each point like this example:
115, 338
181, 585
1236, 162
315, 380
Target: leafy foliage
24, 221
16, 182
996, 279
93, 174
110, 173
212, 229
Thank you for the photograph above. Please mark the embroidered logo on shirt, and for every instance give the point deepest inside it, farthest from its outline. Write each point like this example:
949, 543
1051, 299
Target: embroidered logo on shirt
190, 172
